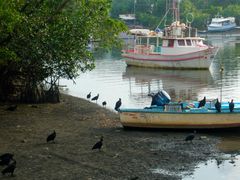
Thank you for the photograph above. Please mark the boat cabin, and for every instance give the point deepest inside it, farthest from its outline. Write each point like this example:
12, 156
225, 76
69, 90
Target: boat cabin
175, 36
157, 45
222, 21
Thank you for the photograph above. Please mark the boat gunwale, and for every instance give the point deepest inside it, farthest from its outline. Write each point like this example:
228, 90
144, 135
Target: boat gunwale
129, 52
170, 112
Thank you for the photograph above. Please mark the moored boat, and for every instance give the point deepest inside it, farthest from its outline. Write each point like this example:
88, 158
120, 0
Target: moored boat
220, 24
184, 115
178, 46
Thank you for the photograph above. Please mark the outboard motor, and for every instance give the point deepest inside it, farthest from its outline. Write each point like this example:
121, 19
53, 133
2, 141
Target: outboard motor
161, 98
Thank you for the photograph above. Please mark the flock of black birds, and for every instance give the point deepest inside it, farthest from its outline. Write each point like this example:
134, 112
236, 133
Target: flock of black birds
104, 103
217, 105
7, 160
10, 163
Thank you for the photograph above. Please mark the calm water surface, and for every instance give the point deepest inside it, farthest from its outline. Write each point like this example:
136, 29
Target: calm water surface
112, 79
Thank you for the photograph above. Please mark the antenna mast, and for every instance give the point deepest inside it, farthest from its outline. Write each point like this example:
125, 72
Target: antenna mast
173, 5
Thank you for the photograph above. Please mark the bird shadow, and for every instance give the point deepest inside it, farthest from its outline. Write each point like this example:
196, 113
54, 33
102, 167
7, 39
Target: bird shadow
44, 144
7, 176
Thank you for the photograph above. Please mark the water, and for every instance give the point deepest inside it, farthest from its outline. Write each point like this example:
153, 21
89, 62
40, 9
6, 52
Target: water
217, 169
112, 79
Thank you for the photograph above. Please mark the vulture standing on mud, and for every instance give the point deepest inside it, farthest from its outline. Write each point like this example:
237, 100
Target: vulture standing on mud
89, 96
231, 106
118, 104
218, 106
6, 158
51, 137
10, 168
104, 103
95, 98
202, 102
98, 145
190, 137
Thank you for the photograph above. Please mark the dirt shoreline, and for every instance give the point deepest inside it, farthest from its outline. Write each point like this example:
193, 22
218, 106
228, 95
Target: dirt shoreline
126, 154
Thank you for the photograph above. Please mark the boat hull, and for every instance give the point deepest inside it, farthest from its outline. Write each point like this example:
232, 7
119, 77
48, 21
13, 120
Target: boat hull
197, 60
221, 28
148, 119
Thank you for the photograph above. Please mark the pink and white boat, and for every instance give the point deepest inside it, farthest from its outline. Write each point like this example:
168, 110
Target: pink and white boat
177, 47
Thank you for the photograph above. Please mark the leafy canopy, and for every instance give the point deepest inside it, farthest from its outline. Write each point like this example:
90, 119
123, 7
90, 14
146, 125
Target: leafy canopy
41, 39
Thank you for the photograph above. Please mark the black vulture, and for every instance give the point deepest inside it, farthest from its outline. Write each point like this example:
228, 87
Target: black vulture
190, 137
12, 108
89, 96
118, 104
231, 106
99, 144
10, 168
218, 106
104, 103
202, 102
6, 158
95, 98
51, 137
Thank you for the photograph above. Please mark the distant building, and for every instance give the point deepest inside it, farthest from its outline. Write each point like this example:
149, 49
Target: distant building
127, 17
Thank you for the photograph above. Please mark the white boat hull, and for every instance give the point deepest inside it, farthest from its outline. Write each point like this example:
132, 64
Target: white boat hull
196, 60
221, 28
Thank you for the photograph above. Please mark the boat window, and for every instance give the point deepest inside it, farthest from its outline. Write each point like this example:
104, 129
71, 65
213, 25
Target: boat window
170, 42
188, 42
181, 42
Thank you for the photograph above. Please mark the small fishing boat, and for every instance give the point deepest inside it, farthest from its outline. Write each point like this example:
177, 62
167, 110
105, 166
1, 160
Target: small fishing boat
220, 24
180, 115
177, 46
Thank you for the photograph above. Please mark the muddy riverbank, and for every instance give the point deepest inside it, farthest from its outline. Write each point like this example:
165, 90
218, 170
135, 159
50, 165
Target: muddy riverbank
126, 154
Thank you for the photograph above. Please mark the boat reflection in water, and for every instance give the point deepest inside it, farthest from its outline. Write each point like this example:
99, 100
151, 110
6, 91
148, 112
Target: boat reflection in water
180, 84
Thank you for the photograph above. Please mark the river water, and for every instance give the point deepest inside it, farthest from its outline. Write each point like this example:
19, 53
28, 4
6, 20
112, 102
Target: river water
112, 79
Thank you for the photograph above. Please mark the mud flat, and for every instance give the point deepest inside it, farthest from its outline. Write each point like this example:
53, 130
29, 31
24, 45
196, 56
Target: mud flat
126, 154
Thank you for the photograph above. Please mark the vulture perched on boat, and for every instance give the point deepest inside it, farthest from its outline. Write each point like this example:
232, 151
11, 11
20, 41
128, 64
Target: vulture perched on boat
231, 106
218, 106
202, 102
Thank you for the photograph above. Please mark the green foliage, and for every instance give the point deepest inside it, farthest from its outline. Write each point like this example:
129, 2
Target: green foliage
234, 11
150, 12
48, 40
10, 18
